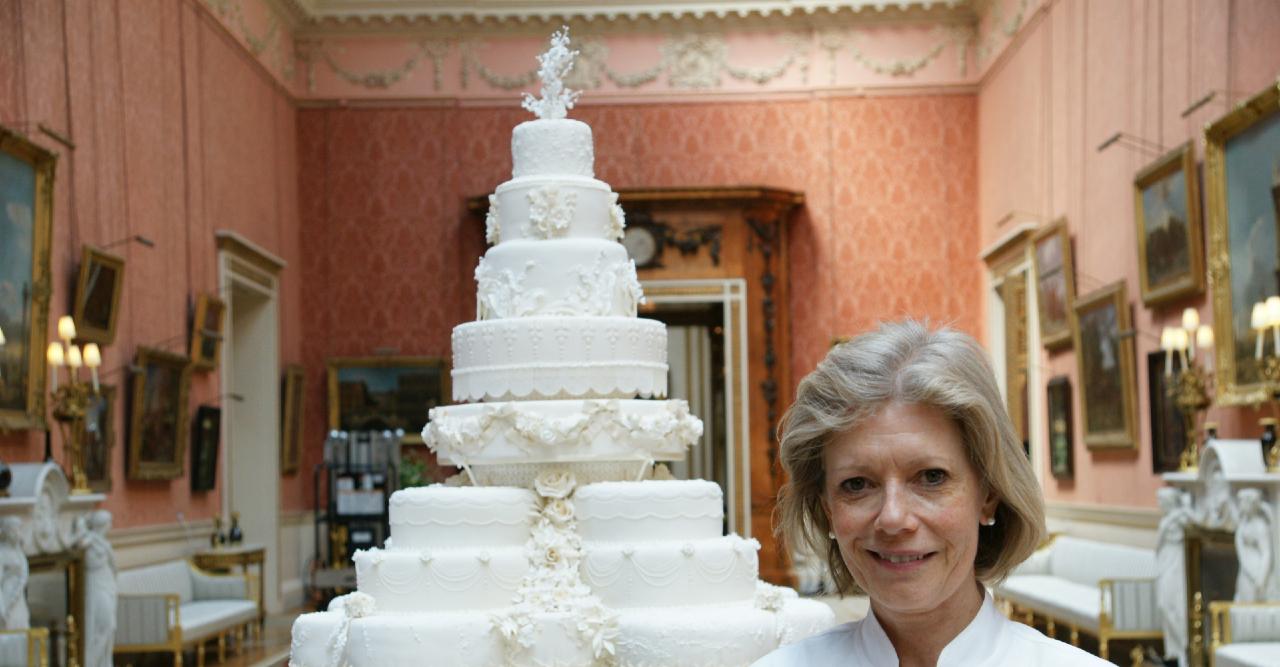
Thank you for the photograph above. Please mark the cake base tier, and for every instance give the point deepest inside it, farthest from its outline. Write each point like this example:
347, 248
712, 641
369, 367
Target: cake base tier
697, 636
559, 358
561, 431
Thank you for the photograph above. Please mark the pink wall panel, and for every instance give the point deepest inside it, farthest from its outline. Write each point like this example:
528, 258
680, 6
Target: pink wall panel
1131, 67
143, 80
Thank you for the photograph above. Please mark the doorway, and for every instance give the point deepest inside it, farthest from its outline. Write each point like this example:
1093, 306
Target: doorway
251, 411
706, 356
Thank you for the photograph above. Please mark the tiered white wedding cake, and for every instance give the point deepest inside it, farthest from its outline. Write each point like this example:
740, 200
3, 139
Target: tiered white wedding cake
558, 546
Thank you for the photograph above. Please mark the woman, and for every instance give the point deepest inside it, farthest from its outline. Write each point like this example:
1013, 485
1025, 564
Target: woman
905, 471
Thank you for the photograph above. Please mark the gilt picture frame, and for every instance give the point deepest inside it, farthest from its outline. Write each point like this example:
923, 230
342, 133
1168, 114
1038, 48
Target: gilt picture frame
1103, 336
97, 299
1168, 434
1058, 403
1242, 194
292, 389
98, 438
1055, 283
158, 416
1167, 213
206, 332
206, 439
26, 220
386, 393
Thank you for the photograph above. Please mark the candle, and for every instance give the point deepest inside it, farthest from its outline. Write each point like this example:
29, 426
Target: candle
74, 360
93, 359
1182, 347
1258, 322
66, 328
54, 356
1204, 340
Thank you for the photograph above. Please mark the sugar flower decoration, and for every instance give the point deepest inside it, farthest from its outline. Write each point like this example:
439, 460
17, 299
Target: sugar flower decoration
555, 65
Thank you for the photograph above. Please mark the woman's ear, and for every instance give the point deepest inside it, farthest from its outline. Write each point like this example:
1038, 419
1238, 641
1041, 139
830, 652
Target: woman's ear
990, 504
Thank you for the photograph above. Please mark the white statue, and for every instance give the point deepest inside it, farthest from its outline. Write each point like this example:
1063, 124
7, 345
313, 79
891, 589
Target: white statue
100, 589
1253, 545
13, 576
1171, 582
555, 65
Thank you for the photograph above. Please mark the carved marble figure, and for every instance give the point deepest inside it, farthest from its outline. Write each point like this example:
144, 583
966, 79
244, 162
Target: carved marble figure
1253, 545
100, 584
14, 571
1171, 585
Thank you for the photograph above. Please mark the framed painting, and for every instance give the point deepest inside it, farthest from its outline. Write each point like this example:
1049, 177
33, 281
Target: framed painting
1242, 193
1061, 458
158, 415
1166, 207
206, 433
1055, 283
98, 288
1103, 338
379, 393
26, 218
291, 392
98, 438
1168, 434
206, 332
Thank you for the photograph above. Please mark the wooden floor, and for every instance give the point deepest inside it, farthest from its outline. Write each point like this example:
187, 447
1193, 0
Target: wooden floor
270, 650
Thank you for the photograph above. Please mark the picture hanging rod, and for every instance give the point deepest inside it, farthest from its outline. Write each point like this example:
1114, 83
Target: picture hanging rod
140, 239
1195, 106
1131, 141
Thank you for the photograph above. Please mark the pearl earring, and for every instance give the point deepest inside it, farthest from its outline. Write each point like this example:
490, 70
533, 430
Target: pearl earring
831, 534
988, 522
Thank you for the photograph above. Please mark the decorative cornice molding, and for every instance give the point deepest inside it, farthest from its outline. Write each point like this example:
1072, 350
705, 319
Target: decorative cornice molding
357, 15
231, 14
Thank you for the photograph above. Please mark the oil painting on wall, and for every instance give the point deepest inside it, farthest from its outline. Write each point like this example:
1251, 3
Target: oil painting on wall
1242, 178
1104, 346
26, 203
1167, 210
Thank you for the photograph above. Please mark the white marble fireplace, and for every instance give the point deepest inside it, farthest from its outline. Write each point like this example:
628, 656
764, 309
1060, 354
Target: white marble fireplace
1231, 495
41, 521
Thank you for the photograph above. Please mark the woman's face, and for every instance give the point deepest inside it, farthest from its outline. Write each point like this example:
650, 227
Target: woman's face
904, 503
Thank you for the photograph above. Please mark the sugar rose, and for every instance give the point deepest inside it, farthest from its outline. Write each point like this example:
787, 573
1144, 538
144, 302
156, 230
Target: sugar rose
555, 484
559, 510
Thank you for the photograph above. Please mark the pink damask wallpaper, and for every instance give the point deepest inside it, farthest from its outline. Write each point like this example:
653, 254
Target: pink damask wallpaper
888, 230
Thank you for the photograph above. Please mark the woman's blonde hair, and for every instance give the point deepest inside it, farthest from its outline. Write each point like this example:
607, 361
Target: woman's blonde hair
907, 362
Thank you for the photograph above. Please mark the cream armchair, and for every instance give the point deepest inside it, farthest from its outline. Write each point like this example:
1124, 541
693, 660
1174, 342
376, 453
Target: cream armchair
1244, 634
28, 647
173, 605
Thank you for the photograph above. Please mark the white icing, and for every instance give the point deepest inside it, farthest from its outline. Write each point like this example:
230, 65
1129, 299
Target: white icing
539, 431
492, 230
565, 277
441, 579
552, 147
559, 357
591, 215
438, 516
656, 574
650, 510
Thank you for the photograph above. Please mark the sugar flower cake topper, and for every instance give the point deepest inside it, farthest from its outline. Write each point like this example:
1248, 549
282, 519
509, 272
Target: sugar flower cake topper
556, 64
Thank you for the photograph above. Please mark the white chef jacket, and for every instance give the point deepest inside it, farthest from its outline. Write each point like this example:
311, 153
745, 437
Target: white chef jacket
990, 640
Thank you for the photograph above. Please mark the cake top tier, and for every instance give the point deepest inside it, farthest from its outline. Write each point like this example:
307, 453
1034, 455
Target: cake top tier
560, 147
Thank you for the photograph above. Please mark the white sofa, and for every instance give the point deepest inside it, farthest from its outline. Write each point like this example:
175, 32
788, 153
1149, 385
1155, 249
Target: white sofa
1244, 634
1107, 590
172, 605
